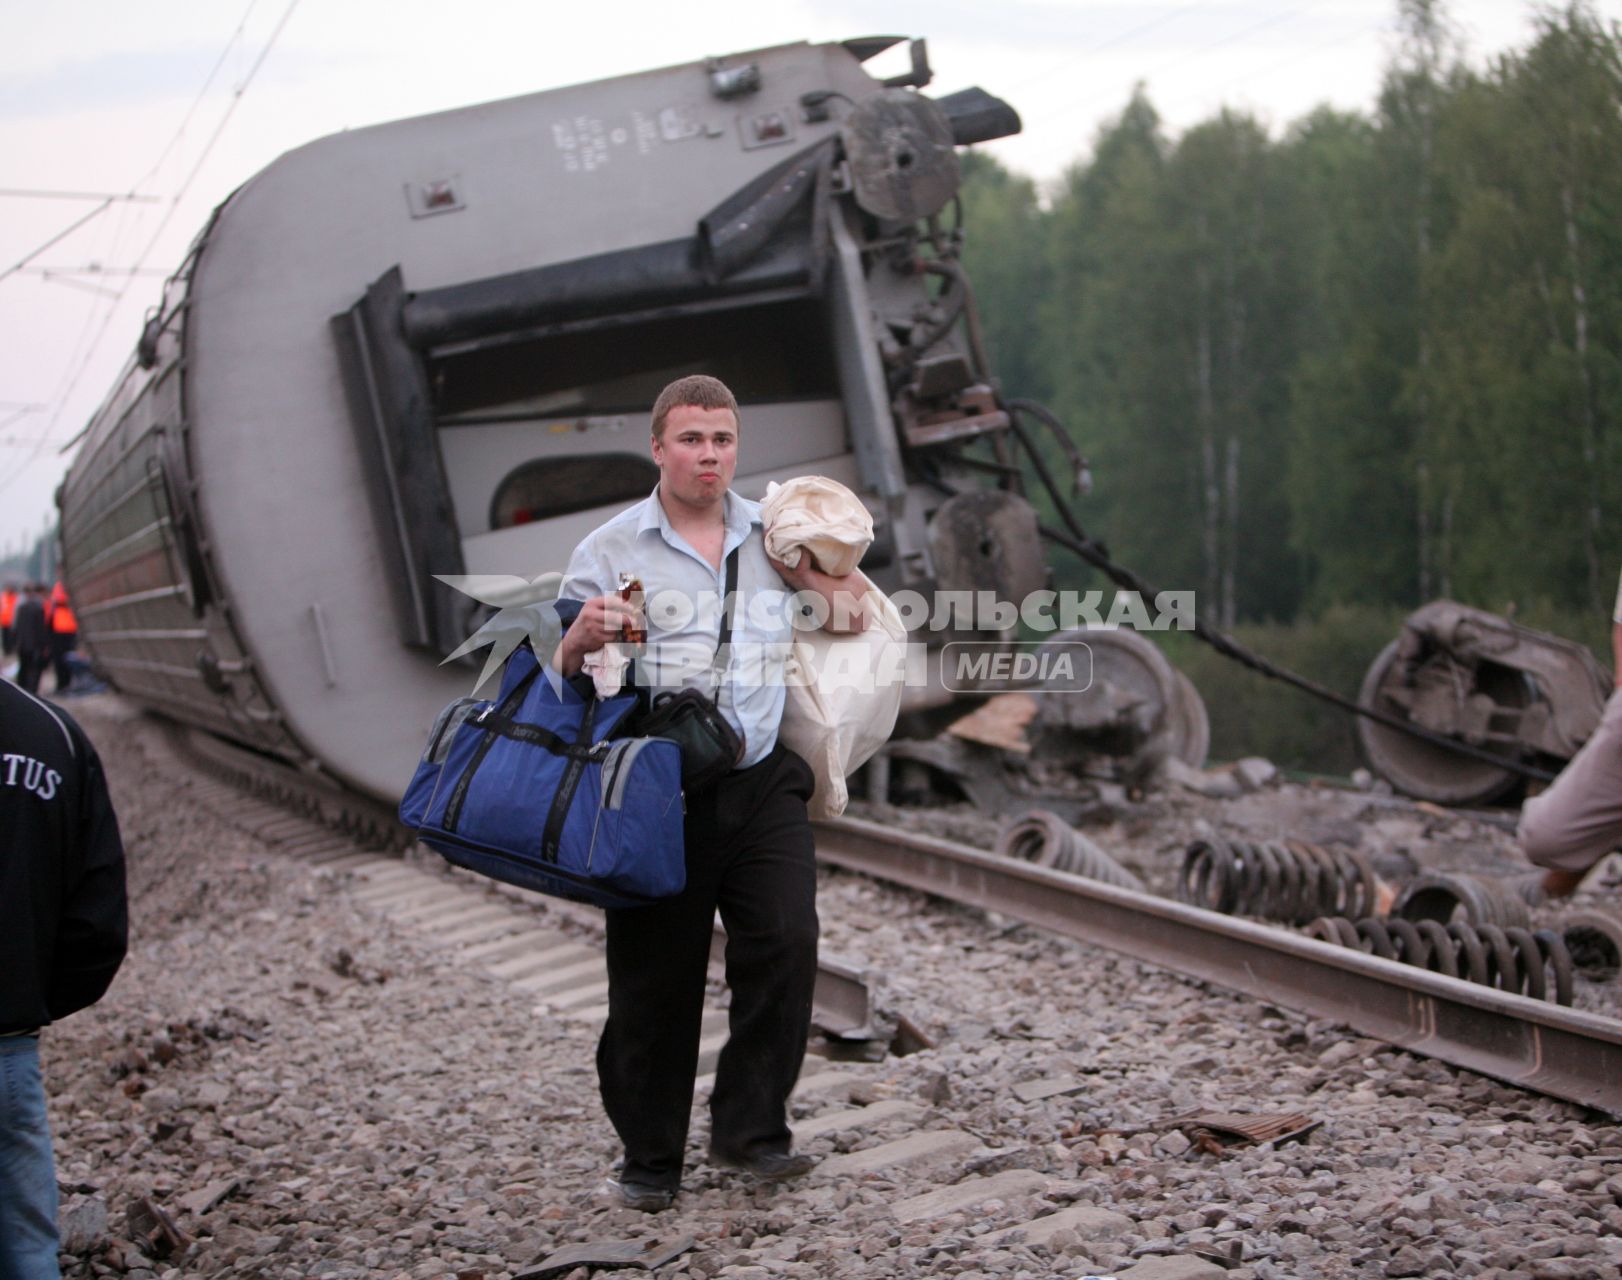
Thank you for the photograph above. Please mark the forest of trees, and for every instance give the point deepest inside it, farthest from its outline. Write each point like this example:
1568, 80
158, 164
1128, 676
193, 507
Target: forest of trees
1371, 362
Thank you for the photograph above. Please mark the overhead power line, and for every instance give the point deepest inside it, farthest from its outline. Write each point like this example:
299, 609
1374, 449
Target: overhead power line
208, 83
56, 239
93, 269
1113, 42
1178, 61
72, 381
27, 193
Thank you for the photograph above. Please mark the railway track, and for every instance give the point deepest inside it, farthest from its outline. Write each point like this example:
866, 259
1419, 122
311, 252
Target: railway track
946, 1170
1561, 1052
1043, 1134
1565, 1053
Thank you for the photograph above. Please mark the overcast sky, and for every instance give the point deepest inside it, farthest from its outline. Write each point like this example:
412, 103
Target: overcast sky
180, 100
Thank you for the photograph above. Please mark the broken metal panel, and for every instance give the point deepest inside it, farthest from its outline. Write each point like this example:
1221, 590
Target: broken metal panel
902, 156
1486, 682
988, 541
1131, 704
1214, 1131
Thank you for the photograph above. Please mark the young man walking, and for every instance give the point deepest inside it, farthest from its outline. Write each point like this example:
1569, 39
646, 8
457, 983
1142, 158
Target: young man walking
748, 840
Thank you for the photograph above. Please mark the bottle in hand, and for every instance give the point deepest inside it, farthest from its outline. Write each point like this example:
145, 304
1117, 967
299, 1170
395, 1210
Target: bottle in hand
634, 629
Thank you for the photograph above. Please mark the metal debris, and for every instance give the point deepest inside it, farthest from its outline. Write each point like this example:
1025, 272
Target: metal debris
1047, 840
1520, 961
1445, 896
153, 1231
645, 1255
1215, 1131
1290, 880
1486, 683
1594, 938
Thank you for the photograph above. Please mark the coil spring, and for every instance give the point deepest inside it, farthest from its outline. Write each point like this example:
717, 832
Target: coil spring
1594, 938
1448, 895
1293, 882
1513, 959
1049, 841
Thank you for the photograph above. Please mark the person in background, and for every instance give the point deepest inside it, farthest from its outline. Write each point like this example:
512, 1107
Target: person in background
1578, 820
64, 635
9, 595
63, 930
33, 637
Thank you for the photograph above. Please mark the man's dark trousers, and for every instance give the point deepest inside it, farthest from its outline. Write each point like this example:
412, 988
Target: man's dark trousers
750, 853
30, 667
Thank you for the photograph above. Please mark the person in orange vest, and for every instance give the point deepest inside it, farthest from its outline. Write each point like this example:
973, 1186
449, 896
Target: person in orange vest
64, 635
8, 613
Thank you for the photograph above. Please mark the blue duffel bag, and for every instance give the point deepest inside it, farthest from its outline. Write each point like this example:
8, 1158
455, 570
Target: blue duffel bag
532, 788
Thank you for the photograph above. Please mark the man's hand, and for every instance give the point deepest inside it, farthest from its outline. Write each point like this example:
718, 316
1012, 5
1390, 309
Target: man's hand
845, 597
600, 622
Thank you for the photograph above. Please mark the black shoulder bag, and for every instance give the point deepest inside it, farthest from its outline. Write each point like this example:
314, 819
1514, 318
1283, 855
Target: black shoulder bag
710, 746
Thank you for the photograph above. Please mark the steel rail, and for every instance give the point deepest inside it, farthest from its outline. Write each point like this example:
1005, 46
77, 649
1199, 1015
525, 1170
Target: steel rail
1561, 1052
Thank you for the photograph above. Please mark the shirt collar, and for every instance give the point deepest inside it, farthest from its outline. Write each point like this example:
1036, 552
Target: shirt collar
739, 515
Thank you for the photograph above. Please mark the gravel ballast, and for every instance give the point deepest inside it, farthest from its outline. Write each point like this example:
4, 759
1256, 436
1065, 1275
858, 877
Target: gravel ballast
308, 1087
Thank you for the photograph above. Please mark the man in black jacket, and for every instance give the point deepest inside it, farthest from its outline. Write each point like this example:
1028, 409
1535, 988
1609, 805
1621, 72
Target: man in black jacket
32, 634
63, 927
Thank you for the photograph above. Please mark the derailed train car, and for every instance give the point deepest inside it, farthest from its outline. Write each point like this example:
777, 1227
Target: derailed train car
429, 348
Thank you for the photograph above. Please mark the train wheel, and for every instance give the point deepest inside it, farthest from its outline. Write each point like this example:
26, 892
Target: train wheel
1418, 768
1135, 679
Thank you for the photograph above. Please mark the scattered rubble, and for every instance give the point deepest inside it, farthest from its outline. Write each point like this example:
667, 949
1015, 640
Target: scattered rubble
293, 1118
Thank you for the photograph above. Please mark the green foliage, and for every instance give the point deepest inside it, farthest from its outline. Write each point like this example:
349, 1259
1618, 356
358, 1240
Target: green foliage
1371, 361
1252, 715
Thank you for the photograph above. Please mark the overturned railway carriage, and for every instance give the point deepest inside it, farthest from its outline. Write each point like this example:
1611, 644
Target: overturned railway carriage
429, 347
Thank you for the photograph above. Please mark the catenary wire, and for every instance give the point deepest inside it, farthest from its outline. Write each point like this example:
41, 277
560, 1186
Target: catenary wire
78, 372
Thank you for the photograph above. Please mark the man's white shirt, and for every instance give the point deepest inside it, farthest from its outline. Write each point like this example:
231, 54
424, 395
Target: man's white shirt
682, 594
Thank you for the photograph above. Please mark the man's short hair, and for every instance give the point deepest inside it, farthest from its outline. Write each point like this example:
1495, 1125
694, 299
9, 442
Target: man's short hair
696, 391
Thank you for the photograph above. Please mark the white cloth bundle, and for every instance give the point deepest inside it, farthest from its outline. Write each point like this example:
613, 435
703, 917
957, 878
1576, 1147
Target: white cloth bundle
819, 515
844, 691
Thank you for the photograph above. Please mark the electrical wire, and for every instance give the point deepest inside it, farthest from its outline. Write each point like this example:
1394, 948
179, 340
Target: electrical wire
1114, 42
1075, 103
219, 128
1074, 538
29, 193
56, 239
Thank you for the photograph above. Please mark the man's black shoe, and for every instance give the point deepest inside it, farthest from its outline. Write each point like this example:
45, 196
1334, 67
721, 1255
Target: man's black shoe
636, 1195
772, 1166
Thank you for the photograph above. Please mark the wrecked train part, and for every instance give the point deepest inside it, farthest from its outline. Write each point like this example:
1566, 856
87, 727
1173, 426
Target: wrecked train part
1516, 960
1594, 938
1130, 705
1483, 681
1049, 841
1445, 896
1292, 882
